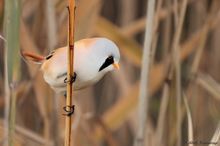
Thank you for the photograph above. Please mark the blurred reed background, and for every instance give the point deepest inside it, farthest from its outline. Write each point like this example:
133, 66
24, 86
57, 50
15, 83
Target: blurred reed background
184, 87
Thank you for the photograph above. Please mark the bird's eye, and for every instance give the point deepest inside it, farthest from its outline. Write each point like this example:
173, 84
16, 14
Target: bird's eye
110, 58
108, 61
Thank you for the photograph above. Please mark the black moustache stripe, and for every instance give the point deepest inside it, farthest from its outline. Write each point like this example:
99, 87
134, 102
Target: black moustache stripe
108, 61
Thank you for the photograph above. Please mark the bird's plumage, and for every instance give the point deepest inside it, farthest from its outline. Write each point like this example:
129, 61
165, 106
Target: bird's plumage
89, 57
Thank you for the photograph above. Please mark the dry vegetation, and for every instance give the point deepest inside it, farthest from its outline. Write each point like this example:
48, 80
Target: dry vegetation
184, 81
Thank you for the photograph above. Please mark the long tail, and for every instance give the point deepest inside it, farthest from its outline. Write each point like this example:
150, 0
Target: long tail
35, 58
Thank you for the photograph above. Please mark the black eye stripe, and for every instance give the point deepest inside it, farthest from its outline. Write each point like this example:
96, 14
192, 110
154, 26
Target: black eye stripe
108, 61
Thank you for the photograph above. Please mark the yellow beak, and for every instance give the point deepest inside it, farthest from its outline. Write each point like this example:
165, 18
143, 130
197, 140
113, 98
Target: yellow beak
116, 66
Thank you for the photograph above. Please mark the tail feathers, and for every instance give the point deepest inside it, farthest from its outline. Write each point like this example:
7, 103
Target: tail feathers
35, 58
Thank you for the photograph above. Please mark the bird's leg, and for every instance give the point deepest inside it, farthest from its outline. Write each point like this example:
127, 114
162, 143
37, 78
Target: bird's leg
69, 110
72, 79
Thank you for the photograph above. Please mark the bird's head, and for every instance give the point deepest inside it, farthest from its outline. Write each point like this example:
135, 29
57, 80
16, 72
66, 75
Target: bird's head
109, 63
109, 55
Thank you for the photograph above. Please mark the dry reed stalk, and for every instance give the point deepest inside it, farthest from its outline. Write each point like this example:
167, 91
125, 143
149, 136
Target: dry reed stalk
201, 46
127, 11
12, 65
23, 90
198, 54
6, 101
166, 35
40, 87
189, 120
138, 25
7, 98
115, 116
209, 84
52, 41
215, 137
177, 66
70, 71
131, 49
162, 113
17, 138
51, 24
176, 14
155, 31
144, 81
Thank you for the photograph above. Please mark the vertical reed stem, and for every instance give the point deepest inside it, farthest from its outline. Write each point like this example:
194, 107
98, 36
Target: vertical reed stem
143, 95
12, 65
177, 68
70, 71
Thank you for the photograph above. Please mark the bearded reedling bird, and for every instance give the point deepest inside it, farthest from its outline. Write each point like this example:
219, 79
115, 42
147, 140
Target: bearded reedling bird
93, 58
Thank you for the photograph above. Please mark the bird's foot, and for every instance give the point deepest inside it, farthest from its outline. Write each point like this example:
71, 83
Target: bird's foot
72, 79
69, 110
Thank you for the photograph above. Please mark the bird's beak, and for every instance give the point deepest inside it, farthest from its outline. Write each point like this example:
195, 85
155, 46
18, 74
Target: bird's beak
116, 66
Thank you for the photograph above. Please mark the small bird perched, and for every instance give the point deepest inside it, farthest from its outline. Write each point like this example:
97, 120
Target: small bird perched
93, 58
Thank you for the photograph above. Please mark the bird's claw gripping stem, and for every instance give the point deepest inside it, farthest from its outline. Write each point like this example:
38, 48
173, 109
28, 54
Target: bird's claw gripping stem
72, 79
69, 110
